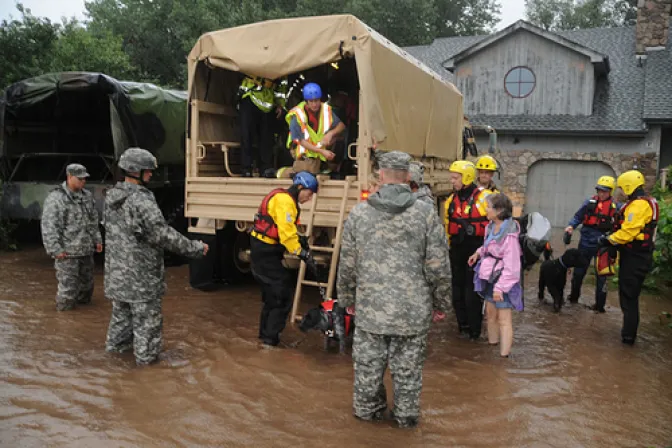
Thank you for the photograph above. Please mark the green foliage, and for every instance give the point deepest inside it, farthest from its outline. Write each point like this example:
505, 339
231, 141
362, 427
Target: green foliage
571, 14
31, 46
662, 257
26, 46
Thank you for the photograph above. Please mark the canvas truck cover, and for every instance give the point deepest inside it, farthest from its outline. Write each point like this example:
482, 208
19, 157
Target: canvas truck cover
141, 114
405, 105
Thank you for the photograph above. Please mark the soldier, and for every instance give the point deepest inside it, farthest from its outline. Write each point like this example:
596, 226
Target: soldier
394, 269
487, 167
70, 235
136, 234
419, 189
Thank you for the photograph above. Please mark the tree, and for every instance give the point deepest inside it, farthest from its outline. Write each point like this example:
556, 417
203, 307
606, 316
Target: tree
569, 15
465, 17
26, 46
78, 49
404, 22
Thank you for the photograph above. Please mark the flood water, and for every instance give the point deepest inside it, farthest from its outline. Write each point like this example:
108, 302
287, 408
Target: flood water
569, 382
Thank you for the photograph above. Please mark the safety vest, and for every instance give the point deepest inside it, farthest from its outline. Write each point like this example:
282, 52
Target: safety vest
264, 93
263, 222
600, 214
326, 120
649, 229
465, 215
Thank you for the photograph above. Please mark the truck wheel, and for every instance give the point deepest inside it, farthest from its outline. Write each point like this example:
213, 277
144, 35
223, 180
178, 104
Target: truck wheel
235, 256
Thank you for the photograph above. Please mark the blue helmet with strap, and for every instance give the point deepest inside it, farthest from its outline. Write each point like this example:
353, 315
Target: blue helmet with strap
312, 91
306, 180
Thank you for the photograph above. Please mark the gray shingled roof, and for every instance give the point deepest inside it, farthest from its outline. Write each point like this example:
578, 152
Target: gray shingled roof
658, 94
619, 105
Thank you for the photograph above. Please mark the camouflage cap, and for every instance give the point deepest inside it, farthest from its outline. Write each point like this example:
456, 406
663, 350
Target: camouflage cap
77, 170
417, 170
394, 160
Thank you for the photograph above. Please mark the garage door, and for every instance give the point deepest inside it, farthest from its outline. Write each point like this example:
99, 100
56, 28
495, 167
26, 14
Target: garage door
556, 188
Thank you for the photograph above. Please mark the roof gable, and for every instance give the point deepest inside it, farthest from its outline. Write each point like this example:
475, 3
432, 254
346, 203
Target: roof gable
600, 60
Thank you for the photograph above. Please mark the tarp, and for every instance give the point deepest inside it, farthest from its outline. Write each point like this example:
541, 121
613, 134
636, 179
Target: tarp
406, 106
141, 114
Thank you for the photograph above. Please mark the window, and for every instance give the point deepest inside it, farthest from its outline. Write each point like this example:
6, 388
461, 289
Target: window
519, 82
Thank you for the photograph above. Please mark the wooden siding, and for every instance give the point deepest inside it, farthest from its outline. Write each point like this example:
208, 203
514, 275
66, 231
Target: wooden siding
565, 79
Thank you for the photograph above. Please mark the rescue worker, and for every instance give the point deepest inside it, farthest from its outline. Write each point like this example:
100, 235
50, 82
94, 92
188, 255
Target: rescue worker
313, 129
259, 97
596, 216
634, 238
465, 221
136, 234
487, 167
70, 235
419, 189
275, 231
394, 269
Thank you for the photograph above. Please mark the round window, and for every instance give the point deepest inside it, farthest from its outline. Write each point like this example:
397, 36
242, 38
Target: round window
519, 82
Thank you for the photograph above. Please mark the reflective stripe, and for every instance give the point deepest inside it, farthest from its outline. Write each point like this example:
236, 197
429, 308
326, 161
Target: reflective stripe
326, 117
260, 103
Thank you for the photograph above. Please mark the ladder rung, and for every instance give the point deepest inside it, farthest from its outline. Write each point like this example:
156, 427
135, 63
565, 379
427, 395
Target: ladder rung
322, 249
317, 284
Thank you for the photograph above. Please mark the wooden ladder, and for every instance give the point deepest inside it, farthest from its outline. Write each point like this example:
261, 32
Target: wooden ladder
333, 250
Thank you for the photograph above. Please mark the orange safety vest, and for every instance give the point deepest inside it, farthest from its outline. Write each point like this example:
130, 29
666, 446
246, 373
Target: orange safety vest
600, 214
263, 222
648, 230
463, 214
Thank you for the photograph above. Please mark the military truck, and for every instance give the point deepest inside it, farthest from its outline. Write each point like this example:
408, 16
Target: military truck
392, 102
55, 119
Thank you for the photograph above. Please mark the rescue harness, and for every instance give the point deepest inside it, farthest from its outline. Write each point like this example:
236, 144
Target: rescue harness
464, 217
600, 214
263, 222
649, 229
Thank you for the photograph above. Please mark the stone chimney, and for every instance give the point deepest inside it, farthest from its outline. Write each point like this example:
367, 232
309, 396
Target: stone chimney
653, 25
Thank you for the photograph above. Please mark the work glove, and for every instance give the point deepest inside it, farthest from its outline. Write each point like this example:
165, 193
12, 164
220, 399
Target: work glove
307, 257
603, 241
567, 238
303, 240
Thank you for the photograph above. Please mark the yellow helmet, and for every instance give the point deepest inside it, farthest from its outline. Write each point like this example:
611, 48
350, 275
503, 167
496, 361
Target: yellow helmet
466, 168
487, 163
606, 183
629, 181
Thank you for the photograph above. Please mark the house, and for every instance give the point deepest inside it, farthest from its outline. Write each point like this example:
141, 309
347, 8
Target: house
568, 106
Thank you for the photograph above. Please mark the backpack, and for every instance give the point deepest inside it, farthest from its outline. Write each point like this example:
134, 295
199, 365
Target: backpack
535, 233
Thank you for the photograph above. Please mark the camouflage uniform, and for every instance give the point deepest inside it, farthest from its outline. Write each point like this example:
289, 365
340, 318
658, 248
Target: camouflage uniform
136, 235
70, 225
424, 194
394, 268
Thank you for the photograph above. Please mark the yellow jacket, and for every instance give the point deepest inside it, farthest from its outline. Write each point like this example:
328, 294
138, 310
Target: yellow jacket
282, 209
635, 217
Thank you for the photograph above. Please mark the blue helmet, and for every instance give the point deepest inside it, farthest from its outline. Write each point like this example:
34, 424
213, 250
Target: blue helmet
306, 180
312, 91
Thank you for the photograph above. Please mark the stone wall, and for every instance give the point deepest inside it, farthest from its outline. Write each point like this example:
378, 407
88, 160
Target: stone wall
653, 21
517, 163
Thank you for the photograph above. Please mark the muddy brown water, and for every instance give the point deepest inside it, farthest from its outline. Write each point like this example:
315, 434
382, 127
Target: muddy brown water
569, 382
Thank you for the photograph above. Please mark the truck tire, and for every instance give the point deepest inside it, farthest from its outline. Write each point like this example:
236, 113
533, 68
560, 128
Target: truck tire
236, 267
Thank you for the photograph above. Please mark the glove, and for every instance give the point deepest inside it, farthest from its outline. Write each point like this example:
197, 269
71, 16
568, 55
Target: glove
567, 238
603, 241
303, 240
307, 257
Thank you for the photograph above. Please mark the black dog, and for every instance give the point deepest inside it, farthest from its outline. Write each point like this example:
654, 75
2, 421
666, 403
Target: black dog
335, 322
553, 275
